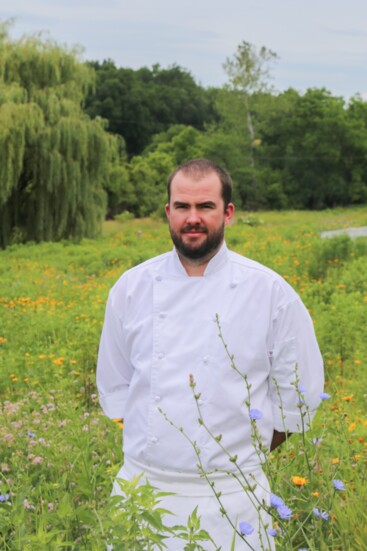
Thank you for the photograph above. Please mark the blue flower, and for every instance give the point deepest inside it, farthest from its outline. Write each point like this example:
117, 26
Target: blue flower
4, 497
321, 514
324, 396
284, 512
246, 529
338, 485
316, 441
255, 414
276, 501
272, 532
31, 434
302, 389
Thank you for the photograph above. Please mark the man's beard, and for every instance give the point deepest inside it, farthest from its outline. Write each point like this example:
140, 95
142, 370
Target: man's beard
193, 251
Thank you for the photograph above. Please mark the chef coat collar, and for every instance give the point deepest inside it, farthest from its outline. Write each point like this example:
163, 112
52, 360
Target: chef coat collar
214, 264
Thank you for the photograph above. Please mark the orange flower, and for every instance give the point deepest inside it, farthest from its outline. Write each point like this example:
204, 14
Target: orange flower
299, 480
315, 494
348, 398
335, 461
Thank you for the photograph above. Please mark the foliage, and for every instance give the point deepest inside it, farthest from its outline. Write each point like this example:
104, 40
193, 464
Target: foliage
54, 160
141, 103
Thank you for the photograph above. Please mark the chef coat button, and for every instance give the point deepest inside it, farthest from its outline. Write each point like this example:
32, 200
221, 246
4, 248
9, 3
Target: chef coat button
162, 315
160, 356
154, 440
233, 284
205, 359
158, 278
157, 398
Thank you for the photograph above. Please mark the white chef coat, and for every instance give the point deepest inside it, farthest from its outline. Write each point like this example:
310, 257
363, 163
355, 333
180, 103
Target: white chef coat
161, 326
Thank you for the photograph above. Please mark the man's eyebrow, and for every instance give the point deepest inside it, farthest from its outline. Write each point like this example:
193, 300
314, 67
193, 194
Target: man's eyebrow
200, 205
206, 204
180, 204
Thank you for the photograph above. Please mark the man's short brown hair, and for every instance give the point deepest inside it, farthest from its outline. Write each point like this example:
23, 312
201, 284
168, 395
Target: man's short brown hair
197, 169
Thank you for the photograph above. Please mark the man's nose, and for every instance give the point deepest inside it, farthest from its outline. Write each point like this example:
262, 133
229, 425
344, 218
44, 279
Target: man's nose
193, 217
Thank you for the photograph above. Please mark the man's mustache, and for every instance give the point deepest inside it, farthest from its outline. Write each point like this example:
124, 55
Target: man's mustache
188, 229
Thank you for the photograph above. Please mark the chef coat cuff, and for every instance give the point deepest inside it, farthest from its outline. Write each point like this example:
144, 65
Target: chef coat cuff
292, 421
113, 405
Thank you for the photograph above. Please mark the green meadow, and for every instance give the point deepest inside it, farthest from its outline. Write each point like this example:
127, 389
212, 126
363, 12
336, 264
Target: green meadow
59, 454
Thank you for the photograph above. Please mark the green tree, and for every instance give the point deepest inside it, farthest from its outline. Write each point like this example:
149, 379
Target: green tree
139, 104
54, 159
316, 145
248, 73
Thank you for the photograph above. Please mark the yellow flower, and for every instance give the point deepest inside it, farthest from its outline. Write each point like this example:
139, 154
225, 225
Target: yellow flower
299, 480
335, 461
58, 361
315, 494
119, 422
352, 427
357, 362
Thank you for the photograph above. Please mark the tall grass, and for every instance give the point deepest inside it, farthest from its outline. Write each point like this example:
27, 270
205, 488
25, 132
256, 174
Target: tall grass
59, 454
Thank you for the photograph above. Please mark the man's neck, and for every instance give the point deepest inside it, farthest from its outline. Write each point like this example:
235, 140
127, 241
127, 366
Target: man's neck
196, 267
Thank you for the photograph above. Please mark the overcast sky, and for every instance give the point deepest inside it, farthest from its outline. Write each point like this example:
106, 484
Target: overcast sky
320, 43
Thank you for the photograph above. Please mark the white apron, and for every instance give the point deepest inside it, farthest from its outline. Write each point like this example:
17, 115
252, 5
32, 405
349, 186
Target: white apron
192, 491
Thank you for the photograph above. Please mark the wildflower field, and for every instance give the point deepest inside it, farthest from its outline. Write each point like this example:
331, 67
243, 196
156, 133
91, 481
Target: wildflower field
59, 454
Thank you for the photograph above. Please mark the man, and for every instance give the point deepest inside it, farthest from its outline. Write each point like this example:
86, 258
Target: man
161, 328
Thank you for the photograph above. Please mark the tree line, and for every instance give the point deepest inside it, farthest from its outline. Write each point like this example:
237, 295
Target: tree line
80, 141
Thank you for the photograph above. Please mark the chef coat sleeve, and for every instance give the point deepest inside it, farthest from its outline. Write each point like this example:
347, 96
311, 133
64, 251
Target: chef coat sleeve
114, 371
296, 363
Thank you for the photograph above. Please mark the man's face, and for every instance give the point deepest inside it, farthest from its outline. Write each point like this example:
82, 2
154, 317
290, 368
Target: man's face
196, 215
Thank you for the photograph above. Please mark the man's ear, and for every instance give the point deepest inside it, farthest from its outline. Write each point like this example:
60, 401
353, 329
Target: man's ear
166, 208
228, 214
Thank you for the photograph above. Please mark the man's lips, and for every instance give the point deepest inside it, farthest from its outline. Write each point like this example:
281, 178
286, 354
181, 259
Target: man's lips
194, 231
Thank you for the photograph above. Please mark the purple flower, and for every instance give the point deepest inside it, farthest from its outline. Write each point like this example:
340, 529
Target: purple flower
4, 497
321, 514
316, 441
246, 529
284, 512
302, 389
276, 501
272, 532
255, 414
31, 434
338, 485
324, 396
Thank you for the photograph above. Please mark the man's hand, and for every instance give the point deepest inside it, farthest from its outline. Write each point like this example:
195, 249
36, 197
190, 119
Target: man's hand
278, 438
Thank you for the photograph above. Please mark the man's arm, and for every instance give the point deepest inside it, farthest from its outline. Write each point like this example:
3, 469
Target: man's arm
278, 438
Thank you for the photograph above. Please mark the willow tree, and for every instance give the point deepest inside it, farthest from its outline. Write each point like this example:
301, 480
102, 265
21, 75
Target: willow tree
54, 159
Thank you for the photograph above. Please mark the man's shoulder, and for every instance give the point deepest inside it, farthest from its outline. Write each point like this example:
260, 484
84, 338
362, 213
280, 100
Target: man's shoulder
141, 270
262, 275
253, 266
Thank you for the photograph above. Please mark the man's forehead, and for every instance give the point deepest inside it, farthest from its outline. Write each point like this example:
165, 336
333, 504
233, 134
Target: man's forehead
208, 183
